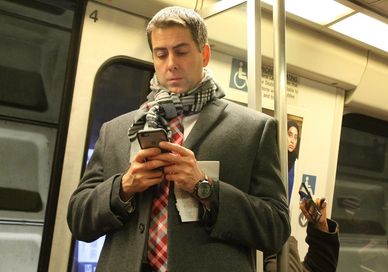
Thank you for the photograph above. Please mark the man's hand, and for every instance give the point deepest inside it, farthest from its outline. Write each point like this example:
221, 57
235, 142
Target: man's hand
143, 173
180, 166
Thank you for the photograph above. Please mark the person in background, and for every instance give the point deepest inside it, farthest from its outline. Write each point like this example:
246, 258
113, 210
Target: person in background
293, 139
214, 195
322, 239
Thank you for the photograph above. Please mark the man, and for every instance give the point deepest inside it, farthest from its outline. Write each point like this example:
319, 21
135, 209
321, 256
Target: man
323, 241
145, 200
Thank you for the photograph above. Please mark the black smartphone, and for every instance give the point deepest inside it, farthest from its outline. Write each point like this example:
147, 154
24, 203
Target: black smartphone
312, 208
151, 137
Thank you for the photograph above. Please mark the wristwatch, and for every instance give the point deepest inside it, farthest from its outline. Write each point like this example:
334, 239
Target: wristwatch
203, 189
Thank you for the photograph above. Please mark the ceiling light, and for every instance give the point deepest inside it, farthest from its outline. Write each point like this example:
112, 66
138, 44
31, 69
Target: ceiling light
364, 28
318, 11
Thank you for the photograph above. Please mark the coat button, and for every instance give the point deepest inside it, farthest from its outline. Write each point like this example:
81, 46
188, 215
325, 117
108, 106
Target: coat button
141, 227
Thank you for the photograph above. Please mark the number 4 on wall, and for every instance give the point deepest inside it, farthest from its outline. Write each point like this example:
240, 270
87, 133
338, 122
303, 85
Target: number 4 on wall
94, 15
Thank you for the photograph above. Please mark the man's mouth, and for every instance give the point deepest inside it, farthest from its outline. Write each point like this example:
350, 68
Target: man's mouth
174, 80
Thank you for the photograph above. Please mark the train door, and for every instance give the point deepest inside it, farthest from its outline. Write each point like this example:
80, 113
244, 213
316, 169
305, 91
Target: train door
360, 203
113, 74
35, 88
120, 86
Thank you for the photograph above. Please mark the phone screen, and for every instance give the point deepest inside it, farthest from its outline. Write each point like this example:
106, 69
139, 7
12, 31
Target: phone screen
151, 137
312, 208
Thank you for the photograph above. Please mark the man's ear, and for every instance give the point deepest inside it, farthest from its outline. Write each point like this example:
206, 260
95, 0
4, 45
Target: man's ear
206, 54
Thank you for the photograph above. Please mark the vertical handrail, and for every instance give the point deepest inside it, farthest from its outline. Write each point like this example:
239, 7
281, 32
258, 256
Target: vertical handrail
253, 11
280, 112
254, 54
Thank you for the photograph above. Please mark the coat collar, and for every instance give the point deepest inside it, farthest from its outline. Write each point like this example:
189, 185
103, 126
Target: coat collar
206, 120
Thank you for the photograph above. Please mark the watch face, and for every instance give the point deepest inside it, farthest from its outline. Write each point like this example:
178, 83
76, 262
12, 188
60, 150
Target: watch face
204, 190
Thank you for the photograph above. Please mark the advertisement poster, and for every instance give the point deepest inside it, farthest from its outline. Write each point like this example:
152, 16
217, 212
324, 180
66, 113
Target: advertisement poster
294, 136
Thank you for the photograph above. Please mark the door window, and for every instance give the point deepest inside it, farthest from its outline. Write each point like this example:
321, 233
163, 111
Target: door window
121, 86
360, 204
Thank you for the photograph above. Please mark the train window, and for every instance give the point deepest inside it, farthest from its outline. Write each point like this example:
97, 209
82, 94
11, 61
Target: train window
121, 85
35, 55
58, 13
25, 166
28, 93
360, 204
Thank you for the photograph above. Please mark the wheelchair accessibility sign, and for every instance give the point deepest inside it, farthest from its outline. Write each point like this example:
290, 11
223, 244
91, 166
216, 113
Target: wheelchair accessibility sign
238, 77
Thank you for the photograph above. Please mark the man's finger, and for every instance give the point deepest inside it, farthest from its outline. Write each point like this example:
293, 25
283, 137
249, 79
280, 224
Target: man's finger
154, 164
143, 154
175, 148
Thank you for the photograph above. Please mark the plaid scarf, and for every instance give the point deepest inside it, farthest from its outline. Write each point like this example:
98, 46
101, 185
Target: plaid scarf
162, 105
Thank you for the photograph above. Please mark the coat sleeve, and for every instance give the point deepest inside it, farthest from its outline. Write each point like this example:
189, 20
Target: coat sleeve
259, 214
89, 213
322, 254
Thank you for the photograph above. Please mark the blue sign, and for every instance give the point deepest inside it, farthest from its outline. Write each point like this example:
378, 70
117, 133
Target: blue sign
238, 76
310, 182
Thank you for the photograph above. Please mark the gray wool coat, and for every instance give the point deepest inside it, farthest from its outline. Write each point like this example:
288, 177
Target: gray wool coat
252, 207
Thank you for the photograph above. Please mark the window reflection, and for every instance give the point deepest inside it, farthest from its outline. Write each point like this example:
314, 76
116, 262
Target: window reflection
120, 86
360, 203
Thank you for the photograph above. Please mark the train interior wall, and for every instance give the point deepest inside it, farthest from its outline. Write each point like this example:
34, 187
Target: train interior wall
317, 106
316, 100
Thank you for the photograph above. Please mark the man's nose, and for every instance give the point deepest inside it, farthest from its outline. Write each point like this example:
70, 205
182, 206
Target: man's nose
172, 64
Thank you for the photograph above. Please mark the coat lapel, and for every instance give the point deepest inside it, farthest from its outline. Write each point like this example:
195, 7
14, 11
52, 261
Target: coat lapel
206, 120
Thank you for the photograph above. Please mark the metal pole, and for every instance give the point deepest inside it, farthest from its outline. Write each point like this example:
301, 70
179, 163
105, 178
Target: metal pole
280, 113
254, 72
254, 54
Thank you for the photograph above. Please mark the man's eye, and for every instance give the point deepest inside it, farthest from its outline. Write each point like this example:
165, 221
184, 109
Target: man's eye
181, 53
160, 54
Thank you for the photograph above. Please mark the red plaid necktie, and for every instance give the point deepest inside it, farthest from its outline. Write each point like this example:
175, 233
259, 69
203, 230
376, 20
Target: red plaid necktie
157, 241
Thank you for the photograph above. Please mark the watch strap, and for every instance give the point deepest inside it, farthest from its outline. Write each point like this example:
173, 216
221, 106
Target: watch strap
129, 205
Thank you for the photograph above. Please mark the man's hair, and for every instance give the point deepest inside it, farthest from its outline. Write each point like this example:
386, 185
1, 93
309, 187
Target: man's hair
179, 16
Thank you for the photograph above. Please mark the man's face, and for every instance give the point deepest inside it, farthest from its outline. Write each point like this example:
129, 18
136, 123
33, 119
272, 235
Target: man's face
177, 60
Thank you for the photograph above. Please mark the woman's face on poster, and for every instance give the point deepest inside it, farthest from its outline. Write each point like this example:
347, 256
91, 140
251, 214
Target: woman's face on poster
292, 138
